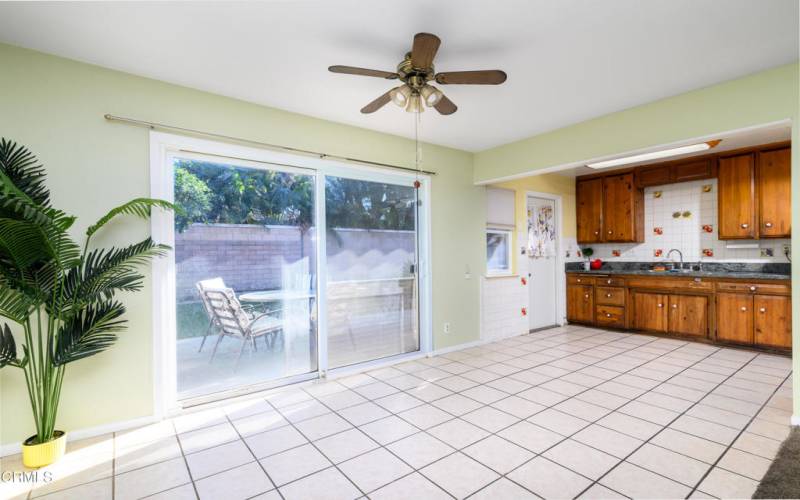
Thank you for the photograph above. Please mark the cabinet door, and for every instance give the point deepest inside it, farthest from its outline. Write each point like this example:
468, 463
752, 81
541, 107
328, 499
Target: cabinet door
773, 320
580, 304
653, 176
589, 199
650, 311
693, 170
688, 315
622, 209
735, 317
775, 193
736, 197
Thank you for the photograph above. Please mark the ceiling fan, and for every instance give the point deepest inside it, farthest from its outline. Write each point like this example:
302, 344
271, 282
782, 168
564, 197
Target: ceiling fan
415, 71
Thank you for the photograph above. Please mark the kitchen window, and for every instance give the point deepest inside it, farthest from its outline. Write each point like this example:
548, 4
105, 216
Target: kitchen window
498, 252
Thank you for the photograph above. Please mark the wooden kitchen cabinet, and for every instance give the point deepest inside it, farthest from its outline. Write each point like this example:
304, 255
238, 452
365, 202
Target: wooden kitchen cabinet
650, 311
735, 317
772, 320
589, 208
623, 209
693, 170
775, 193
580, 303
688, 315
737, 197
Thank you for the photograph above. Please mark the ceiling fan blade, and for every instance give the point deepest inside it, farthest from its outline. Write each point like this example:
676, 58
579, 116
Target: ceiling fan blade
424, 50
376, 104
351, 70
485, 77
445, 106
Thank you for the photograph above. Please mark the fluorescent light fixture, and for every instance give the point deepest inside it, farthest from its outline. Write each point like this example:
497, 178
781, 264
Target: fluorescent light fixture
654, 155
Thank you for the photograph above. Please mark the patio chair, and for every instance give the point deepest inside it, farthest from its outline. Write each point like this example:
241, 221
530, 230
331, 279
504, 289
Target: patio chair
201, 287
234, 321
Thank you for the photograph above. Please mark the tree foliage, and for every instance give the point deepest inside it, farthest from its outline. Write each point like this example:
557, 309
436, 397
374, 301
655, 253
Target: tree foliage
207, 192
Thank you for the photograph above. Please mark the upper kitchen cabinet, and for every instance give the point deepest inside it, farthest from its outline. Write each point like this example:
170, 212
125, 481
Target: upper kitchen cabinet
589, 210
609, 208
755, 195
623, 209
775, 193
737, 197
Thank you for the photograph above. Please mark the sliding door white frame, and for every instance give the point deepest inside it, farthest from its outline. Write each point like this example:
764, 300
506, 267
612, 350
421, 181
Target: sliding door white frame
163, 148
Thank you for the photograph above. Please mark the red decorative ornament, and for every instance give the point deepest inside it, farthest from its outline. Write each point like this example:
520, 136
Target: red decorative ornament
524, 311
524, 281
658, 252
708, 252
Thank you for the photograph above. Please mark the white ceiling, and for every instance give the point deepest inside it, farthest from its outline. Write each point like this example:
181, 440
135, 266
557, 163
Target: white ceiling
567, 60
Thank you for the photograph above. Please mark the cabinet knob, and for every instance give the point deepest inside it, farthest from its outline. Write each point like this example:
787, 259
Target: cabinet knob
660, 305
597, 232
753, 288
610, 231
744, 308
608, 315
768, 224
674, 306
745, 226
608, 295
578, 280
608, 282
586, 296
762, 309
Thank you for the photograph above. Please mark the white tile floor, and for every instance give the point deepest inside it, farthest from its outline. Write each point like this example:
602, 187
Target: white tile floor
563, 413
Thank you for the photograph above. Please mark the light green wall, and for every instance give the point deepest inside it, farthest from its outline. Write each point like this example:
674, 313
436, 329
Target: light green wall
55, 107
761, 98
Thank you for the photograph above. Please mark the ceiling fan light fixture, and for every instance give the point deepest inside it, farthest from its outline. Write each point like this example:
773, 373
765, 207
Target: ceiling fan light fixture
431, 95
400, 95
415, 104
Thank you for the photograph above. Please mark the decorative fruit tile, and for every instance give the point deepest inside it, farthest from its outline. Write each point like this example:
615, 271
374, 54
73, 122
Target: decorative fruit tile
686, 214
707, 188
658, 252
616, 253
524, 311
767, 252
658, 230
708, 228
657, 194
708, 252
676, 215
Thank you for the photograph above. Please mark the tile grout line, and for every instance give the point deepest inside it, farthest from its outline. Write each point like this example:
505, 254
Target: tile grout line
241, 438
738, 435
681, 414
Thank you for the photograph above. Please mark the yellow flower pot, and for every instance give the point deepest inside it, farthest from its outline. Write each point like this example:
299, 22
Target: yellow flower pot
35, 455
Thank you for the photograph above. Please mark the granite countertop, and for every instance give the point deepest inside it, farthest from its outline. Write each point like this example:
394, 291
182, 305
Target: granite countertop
767, 271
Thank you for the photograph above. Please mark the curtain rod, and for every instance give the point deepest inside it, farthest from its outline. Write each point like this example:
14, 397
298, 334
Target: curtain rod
155, 125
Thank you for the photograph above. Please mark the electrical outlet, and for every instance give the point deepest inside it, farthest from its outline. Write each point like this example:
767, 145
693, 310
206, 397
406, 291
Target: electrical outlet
787, 248
447, 328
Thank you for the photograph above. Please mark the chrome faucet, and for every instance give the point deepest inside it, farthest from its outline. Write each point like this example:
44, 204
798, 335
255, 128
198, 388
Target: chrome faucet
679, 253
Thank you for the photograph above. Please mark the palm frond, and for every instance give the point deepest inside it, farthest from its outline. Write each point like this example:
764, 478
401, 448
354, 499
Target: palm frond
22, 169
15, 305
87, 333
140, 207
8, 348
105, 272
26, 243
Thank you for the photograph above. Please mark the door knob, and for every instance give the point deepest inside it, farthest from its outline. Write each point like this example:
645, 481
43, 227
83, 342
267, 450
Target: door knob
763, 310
744, 308
768, 224
745, 226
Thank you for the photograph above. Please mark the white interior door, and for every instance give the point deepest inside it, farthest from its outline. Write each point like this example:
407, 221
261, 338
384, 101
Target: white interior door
542, 273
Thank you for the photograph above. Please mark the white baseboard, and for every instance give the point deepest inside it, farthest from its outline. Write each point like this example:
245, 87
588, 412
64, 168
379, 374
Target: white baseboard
795, 419
14, 448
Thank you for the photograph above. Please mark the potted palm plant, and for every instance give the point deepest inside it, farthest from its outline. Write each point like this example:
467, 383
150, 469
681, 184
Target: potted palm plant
59, 296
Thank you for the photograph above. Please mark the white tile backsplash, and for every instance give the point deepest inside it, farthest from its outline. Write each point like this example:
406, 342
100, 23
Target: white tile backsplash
686, 233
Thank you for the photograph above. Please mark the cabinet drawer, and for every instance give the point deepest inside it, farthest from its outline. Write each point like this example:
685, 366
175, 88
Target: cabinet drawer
610, 316
579, 280
762, 288
671, 283
610, 281
612, 296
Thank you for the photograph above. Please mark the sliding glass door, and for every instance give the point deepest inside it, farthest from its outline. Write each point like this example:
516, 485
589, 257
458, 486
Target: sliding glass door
371, 261
244, 274
281, 273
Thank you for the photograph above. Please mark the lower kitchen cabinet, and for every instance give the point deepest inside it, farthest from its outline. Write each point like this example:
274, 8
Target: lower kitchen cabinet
580, 303
772, 320
688, 315
650, 311
735, 317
